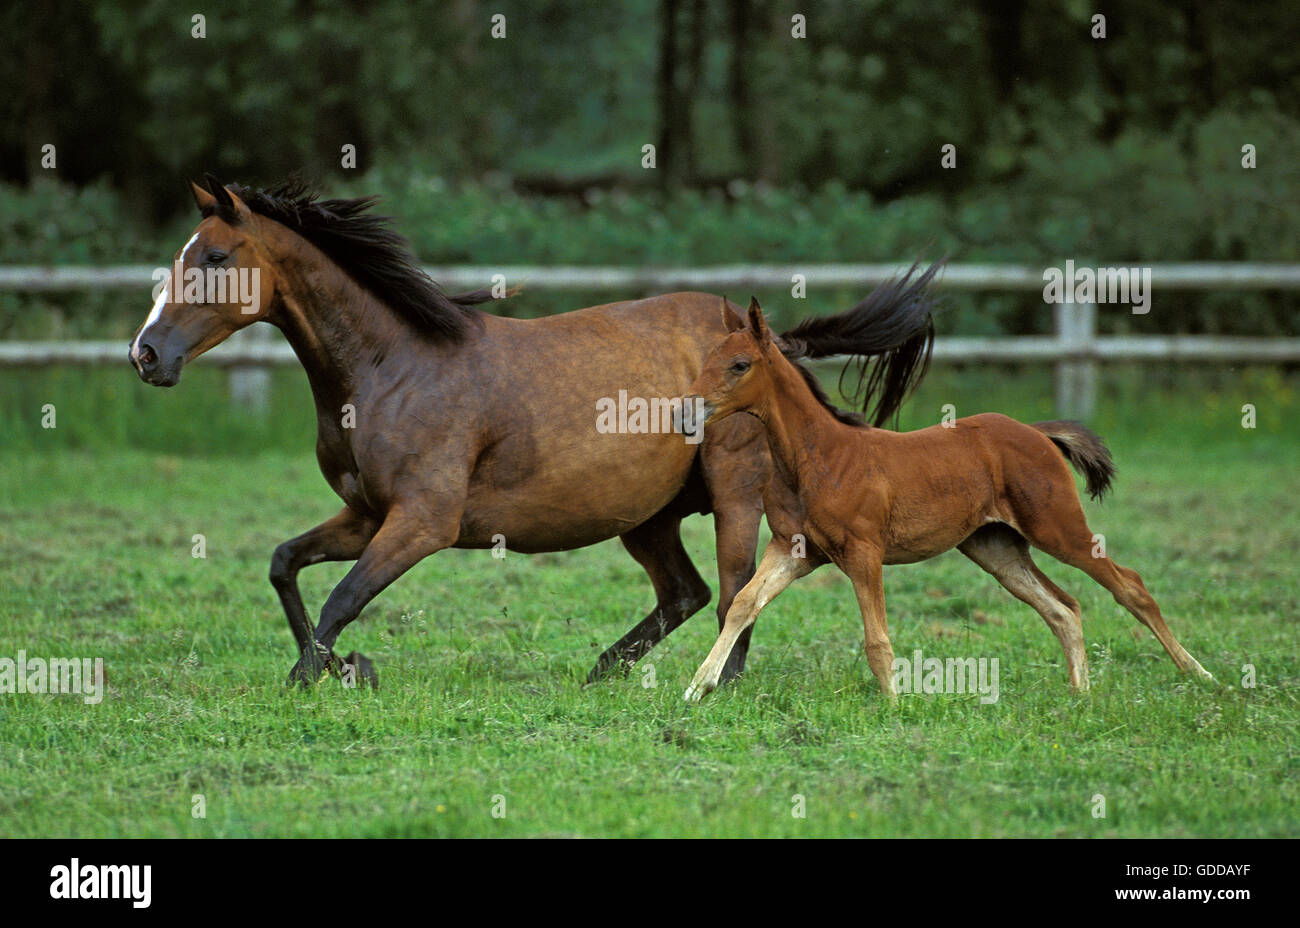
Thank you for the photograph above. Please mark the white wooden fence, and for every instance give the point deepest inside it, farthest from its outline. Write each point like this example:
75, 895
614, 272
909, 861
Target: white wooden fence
1075, 349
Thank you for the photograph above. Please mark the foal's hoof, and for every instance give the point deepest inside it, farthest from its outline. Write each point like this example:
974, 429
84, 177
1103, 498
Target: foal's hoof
359, 670
1196, 670
698, 690
313, 666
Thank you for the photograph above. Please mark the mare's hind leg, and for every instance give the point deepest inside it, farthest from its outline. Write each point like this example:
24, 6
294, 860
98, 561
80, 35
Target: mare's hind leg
736, 530
680, 591
1003, 552
736, 465
1062, 531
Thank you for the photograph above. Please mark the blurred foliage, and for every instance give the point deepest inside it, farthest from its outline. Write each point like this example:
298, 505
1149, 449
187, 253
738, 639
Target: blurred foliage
527, 149
102, 408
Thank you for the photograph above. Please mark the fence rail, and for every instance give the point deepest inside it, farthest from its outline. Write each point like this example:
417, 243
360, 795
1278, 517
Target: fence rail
1026, 348
1200, 276
1075, 349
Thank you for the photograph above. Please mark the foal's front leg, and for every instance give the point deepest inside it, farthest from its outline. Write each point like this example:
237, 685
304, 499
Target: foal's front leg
778, 569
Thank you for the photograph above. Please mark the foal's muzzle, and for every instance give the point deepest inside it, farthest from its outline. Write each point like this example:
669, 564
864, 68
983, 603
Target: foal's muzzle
693, 413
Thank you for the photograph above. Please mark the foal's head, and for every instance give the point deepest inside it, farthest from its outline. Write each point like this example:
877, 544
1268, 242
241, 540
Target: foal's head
220, 281
737, 374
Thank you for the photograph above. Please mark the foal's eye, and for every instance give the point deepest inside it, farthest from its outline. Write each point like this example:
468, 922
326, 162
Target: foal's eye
740, 367
216, 257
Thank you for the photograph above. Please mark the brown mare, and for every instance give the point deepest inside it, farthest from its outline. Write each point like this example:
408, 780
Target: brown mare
442, 426
862, 498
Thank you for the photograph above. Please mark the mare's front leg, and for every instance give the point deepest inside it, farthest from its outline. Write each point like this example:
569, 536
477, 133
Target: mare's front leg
341, 538
865, 567
778, 569
406, 537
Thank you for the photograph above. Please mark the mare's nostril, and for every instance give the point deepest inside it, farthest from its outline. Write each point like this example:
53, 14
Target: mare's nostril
147, 356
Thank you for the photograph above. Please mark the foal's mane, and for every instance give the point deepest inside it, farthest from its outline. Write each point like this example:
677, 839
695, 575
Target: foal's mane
846, 416
370, 251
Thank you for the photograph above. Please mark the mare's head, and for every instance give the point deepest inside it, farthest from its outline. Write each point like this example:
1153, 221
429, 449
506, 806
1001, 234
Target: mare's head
737, 375
220, 281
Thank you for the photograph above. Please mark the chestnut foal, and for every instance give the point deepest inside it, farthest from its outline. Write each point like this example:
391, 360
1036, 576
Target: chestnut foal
862, 498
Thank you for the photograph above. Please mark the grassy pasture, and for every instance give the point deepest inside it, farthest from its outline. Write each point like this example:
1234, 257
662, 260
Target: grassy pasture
482, 660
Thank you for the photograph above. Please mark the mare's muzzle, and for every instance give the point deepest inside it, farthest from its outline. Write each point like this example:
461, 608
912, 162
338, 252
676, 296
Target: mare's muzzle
158, 367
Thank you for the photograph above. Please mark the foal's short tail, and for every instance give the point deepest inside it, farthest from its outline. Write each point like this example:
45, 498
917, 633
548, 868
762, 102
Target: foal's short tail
1085, 451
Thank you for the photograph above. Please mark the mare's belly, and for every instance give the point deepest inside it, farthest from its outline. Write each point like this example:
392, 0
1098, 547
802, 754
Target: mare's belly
599, 487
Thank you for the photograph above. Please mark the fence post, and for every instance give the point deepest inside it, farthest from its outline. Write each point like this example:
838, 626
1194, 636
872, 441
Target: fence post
1076, 377
250, 385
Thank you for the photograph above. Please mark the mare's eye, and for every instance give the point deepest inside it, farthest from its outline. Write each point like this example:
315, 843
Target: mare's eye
740, 367
216, 257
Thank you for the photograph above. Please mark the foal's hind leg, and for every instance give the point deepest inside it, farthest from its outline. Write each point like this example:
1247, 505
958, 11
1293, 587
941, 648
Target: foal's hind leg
864, 565
1063, 533
680, 591
1003, 552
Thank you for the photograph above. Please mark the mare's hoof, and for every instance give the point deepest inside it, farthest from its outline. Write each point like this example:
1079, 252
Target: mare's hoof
608, 664
313, 666
359, 670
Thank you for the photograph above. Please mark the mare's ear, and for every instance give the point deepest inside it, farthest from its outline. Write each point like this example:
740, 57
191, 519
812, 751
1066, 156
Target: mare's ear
229, 207
204, 200
730, 320
757, 324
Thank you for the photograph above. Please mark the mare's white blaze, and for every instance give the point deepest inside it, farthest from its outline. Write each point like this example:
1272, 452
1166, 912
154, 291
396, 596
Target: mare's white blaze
159, 303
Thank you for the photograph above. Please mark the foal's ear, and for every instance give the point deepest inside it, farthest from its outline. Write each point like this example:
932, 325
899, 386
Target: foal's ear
730, 321
226, 205
757, 323
204, 200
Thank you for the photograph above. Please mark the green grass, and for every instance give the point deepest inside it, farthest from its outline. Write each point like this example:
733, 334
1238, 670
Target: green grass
482, 660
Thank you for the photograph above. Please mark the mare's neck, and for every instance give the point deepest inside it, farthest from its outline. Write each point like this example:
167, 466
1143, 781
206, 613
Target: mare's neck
337, 328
